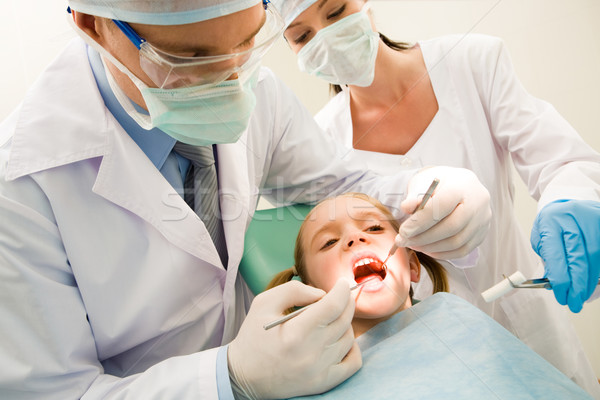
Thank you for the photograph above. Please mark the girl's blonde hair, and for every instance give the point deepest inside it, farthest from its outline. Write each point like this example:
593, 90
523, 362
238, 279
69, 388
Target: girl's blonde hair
435, 270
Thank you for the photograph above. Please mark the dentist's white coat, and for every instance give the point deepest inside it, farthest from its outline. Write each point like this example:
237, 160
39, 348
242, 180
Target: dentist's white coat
106, 275
486, 120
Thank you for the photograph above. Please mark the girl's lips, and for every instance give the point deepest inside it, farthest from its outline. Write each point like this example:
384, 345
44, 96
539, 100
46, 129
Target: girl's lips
374, 285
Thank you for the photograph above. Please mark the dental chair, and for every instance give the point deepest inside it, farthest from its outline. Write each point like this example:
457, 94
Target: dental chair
269, 244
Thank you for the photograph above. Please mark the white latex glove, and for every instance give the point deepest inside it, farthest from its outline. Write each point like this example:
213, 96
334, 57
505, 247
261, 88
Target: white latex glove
308, 354
454, 221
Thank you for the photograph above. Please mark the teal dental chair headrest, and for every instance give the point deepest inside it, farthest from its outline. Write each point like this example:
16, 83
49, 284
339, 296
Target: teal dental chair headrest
269, 244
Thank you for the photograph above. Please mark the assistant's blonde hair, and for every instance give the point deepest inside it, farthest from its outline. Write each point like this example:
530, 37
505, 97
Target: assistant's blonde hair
434, 269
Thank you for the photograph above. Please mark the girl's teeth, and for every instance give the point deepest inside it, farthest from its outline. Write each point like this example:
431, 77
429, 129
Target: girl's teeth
364, 261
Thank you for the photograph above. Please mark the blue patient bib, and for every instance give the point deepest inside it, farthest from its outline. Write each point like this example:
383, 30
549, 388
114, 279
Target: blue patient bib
446, 348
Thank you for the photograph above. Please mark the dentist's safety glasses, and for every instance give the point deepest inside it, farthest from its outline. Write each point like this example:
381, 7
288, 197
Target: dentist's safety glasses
169, 71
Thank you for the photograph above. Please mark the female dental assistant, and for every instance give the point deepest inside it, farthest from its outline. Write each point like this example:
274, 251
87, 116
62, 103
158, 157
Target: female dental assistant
455, 100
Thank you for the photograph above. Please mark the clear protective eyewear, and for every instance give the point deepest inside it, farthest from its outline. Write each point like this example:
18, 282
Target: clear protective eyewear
169, 71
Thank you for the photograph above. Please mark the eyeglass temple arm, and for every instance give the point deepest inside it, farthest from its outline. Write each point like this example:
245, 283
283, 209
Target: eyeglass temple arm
128, 31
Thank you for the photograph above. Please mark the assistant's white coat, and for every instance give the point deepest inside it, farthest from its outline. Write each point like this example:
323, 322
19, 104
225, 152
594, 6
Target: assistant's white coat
485, 118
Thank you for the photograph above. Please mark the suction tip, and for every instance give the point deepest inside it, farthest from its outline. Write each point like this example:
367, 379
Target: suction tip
504, 287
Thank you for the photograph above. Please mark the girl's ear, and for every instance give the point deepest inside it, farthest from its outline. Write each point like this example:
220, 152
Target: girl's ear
415, 266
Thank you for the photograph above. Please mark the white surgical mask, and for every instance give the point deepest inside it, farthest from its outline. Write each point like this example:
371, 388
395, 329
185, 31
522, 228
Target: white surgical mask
198, 115
343, 53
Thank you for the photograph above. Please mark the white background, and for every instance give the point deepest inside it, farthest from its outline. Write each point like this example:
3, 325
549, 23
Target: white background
554, 45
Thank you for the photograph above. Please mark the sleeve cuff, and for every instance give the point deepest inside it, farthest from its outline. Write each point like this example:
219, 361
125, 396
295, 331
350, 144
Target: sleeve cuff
468, 261
223, 382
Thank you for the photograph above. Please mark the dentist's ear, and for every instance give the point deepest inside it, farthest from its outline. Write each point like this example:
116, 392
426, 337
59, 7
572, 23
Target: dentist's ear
415, 266
95, 27
86, 23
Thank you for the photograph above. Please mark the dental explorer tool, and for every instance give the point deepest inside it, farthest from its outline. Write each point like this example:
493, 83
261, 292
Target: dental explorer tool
424, 201
300, 310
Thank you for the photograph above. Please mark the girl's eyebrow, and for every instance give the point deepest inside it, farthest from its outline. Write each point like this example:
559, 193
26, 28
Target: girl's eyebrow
368, 213
319, 231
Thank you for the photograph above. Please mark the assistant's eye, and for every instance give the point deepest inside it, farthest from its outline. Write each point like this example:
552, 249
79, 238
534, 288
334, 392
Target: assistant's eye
337, 12
329, 243
375, 228
302, 38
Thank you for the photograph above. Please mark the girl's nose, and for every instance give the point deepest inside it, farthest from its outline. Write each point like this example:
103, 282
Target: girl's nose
355, 239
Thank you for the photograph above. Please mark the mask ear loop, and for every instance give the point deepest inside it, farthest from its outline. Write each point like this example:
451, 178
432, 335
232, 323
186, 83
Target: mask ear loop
365, 9
143, 120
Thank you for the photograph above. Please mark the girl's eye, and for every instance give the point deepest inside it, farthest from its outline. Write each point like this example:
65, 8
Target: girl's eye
337, 12
374, 228
329, 243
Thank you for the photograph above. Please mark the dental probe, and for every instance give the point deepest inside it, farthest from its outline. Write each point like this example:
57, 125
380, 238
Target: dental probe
426, 198
298, 311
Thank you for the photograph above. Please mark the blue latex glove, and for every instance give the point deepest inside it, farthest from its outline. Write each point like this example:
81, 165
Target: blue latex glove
566, 234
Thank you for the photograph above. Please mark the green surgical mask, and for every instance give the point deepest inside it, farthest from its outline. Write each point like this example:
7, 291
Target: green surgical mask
198, 115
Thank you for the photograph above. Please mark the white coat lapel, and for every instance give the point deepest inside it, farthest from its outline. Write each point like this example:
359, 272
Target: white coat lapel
128, 178
235, 199
234, 196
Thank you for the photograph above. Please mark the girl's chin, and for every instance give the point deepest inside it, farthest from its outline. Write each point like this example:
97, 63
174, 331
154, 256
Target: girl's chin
373, 309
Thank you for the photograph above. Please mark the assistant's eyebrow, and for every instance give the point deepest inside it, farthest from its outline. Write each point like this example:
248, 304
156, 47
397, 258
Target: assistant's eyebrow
319, 6
322, 4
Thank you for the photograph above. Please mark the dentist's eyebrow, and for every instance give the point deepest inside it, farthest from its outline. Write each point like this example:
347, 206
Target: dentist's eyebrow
205, 49
321, 5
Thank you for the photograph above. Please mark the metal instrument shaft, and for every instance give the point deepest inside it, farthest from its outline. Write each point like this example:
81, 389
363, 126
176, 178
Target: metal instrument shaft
424, 201
300, 310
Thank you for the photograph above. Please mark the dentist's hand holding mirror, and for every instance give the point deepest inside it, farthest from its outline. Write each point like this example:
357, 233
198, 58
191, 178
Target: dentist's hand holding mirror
454, 221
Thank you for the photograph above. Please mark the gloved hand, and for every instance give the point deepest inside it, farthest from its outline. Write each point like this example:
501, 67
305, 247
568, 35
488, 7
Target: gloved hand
566, 234
454, 221
308, 354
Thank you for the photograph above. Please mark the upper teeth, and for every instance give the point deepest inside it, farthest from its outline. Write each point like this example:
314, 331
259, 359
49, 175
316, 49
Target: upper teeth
364, 261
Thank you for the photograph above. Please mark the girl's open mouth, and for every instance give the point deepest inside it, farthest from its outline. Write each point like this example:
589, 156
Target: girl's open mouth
368, 268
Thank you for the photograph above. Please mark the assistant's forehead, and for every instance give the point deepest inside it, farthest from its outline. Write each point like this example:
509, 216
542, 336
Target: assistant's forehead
291, 9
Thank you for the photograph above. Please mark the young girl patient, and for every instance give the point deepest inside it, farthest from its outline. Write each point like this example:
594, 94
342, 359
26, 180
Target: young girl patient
441, 346
350, 236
